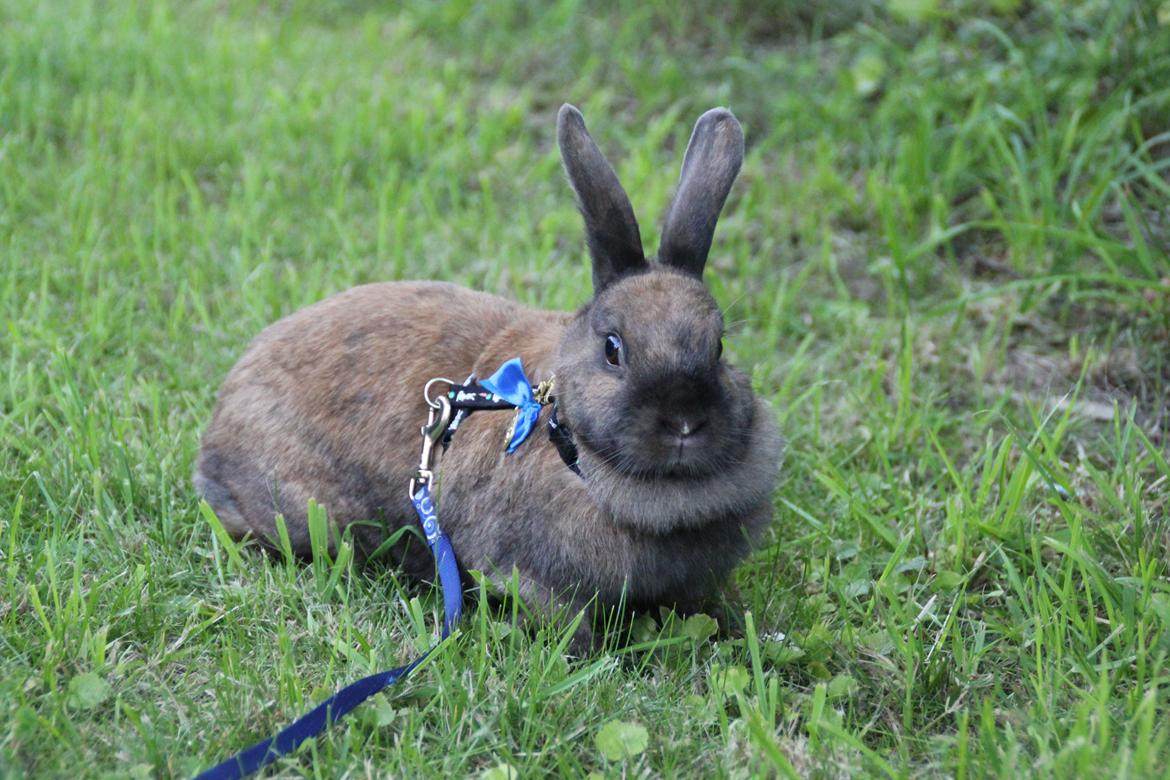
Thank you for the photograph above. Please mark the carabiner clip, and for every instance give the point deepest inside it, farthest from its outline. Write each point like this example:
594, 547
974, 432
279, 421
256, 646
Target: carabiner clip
438, 418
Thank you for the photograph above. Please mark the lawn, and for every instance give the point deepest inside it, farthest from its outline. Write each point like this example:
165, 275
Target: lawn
946, 264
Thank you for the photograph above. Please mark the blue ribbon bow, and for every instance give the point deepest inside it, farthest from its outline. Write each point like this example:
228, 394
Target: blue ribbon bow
510, 383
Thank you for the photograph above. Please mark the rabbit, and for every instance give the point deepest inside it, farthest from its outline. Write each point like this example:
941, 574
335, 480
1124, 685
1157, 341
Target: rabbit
677, 458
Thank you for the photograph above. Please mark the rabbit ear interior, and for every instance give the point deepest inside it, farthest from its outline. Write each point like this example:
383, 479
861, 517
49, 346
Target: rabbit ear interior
709, 167
610, 228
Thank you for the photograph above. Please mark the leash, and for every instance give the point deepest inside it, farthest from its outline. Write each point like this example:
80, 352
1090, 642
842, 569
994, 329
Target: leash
508, 388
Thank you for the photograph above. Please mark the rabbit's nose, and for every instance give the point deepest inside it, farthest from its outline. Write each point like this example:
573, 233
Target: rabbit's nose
684, 426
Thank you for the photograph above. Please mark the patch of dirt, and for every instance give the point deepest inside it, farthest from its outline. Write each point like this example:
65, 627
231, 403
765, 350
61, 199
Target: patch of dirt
1122, 365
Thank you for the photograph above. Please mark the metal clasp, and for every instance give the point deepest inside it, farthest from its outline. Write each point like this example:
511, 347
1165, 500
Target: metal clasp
438, 418
543, 393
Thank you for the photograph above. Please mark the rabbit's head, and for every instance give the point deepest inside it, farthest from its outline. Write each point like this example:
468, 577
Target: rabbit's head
640, 374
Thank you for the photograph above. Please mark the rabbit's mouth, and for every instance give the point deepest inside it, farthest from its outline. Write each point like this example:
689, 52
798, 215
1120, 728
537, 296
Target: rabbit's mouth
688, 454
650, 457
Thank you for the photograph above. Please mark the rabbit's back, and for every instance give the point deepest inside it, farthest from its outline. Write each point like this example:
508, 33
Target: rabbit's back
326, 404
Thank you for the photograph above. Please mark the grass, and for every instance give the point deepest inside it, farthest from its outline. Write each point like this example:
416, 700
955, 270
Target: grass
946, 261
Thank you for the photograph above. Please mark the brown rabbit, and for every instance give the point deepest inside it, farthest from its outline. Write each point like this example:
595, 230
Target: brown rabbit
677, 457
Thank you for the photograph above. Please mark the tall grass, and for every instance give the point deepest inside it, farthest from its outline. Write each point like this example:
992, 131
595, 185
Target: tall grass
946, 265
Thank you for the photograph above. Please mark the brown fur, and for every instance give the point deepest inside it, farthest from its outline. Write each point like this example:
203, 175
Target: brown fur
327, 404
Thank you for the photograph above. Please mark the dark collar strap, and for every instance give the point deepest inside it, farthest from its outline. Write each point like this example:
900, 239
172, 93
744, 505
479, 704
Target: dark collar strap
562, 438
474, 396
466, 399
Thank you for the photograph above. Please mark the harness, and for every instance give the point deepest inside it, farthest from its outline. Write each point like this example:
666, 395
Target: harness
507, 388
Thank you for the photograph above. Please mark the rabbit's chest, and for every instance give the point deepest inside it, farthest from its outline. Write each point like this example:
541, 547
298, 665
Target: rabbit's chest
648, 569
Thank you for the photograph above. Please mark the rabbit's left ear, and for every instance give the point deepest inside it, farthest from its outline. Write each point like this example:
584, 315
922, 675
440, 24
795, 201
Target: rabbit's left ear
709, 168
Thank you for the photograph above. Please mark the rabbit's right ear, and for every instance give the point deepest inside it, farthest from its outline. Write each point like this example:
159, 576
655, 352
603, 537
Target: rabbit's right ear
610, 228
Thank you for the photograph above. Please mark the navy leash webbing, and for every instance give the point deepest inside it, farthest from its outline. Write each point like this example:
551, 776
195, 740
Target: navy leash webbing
507, 388
341, 703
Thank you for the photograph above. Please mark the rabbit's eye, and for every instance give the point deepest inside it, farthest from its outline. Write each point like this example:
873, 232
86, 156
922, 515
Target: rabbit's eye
613, 350
719, 351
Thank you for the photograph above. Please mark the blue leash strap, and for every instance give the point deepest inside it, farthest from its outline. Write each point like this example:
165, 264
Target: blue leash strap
444, 553
341, 703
